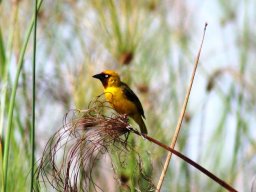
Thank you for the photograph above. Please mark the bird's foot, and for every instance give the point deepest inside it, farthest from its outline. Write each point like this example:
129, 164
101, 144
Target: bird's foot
129, 128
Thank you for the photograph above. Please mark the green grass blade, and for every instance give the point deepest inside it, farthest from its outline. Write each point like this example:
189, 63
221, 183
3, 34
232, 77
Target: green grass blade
33, 103
12, 100
2, 53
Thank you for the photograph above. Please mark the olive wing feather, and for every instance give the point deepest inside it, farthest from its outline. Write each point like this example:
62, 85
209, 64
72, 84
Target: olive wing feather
130, 95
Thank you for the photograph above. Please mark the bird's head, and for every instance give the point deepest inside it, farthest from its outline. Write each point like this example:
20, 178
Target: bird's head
108, 78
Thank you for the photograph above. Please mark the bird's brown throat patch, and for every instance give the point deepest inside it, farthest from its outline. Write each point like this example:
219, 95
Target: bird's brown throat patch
104, 82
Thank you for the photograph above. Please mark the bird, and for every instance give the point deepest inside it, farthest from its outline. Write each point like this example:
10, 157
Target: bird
121, 97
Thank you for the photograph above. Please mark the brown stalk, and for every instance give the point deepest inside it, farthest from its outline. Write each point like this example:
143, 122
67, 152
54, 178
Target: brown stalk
178, 127
188, 160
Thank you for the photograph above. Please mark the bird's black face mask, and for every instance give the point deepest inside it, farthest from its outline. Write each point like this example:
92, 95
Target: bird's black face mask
103, 78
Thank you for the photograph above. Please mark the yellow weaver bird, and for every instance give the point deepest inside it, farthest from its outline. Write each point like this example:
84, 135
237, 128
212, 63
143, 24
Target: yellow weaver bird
121, 97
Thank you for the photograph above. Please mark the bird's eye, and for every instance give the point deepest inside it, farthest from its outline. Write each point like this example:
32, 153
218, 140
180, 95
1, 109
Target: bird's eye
106, 76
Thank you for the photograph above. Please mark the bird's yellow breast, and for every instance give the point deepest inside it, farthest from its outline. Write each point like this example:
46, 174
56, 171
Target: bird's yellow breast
117, 99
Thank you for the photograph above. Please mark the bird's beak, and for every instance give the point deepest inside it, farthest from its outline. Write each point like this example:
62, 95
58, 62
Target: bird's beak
99, 76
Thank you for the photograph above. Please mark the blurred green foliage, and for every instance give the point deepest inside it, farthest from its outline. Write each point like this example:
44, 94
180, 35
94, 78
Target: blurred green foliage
152, 44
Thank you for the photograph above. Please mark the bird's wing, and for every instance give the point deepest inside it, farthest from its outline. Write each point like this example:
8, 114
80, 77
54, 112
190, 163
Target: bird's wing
130, 95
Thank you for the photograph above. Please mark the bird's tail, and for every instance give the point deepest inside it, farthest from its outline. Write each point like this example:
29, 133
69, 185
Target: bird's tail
138, 119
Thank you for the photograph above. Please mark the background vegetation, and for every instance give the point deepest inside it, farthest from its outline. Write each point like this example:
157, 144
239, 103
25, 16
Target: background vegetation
152, 44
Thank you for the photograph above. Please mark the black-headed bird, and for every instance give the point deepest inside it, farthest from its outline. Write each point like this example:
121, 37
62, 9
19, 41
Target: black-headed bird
122, 98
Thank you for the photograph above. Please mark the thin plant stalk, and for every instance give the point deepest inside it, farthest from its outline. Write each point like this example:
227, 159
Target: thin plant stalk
5, 65
33, 102
12, 100
178, 127
188, 160
2, 98
5, 68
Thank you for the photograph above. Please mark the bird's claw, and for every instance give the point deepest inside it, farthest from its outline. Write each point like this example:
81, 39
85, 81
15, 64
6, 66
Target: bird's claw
129, 128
